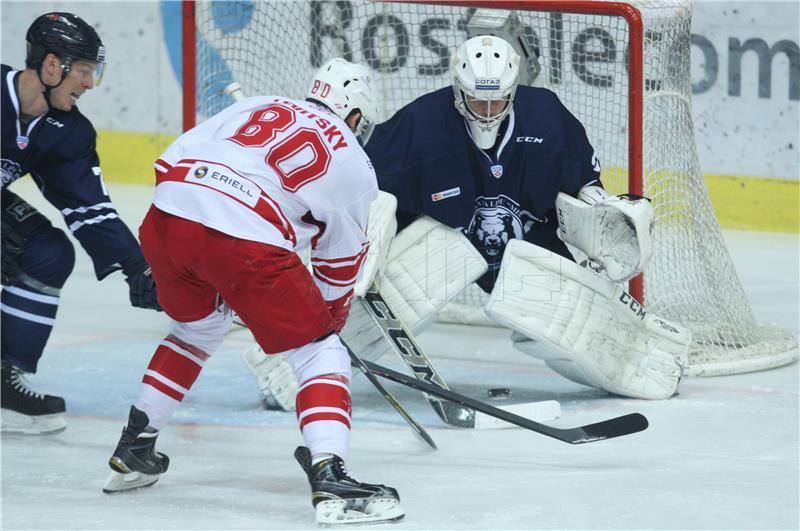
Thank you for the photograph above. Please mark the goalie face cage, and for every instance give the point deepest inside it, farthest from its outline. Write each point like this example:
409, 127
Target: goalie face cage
621, 68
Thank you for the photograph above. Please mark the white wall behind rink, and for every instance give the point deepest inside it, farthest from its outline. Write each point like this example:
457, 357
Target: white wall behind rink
746, 110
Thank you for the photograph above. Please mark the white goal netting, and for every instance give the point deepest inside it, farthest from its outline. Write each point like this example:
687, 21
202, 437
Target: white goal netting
274, 47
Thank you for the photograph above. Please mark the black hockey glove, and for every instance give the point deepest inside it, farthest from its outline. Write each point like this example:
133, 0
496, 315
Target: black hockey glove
142, 286
12, 248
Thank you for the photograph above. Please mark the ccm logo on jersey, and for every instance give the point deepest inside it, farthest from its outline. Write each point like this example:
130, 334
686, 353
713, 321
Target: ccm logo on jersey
487, 83
530, 139
217, 178
53, 121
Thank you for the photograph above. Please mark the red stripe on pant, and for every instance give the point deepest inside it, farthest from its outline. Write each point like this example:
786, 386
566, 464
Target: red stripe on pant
173, 367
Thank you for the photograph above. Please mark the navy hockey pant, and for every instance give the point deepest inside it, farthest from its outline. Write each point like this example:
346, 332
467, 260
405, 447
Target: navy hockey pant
30, 302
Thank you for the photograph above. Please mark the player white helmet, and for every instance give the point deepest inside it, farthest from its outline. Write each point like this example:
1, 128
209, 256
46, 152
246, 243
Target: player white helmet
343, 87
485, 72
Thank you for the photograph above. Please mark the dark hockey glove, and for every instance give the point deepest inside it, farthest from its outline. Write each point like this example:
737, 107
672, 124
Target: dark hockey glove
12, 248
142, 286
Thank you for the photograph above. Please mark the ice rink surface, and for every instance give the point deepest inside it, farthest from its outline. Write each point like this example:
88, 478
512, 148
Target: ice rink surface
721, 455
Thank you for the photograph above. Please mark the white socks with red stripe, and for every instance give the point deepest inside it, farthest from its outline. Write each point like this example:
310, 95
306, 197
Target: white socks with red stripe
171, 373
323, 412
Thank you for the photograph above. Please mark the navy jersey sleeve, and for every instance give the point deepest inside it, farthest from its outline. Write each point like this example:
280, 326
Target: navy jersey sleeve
72, 182
581, 165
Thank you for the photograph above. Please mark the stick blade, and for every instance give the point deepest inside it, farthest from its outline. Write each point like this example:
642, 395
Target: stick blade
608, 429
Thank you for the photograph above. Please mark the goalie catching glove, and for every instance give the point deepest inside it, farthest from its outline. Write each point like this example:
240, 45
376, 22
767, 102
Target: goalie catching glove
614, 232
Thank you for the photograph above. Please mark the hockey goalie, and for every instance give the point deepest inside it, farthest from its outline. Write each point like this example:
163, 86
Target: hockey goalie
581, 324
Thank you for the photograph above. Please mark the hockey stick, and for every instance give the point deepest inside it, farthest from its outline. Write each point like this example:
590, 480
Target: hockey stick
419, 430
406, 347
606, 429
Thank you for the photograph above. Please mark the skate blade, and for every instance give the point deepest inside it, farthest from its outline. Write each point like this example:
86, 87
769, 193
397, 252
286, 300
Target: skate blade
117, 482
381, 510
13, 422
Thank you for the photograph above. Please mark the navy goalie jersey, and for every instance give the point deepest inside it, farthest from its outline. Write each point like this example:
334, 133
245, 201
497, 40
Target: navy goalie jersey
58, 150
424, 155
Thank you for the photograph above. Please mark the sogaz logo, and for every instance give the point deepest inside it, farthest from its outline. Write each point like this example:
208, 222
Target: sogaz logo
487, 83
201, 172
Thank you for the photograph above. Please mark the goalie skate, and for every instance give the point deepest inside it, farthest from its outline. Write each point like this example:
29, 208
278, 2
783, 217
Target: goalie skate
339, 499
135, 463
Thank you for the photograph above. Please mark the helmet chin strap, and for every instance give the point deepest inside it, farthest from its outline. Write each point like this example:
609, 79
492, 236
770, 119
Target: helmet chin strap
48, 88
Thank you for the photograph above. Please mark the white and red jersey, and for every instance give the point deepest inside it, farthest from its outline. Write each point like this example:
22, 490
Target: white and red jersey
284, 172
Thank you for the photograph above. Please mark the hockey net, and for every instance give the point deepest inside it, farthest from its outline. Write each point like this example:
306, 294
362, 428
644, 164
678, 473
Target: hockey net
644, 137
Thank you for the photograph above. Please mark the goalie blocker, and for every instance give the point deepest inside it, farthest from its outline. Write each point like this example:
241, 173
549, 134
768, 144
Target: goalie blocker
584, 327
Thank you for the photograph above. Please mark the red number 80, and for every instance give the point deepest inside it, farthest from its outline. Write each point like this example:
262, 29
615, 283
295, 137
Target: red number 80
299, 158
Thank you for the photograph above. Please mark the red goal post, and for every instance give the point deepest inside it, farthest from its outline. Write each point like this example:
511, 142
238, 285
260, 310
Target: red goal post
621, 67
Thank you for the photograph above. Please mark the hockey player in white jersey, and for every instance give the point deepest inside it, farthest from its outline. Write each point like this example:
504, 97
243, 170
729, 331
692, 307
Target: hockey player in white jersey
237, 198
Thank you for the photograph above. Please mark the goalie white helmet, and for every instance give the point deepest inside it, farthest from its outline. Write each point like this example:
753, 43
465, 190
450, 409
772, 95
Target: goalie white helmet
485, 74
344, 87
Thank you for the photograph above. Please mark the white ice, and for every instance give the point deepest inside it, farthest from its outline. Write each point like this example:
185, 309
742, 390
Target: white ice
721, 455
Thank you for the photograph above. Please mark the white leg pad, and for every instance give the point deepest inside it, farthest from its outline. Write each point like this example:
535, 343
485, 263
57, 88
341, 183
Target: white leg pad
585, 327
428, 264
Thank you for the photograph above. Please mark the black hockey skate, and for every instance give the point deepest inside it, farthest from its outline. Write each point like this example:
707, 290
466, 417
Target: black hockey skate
135, 462
340, 499
25, 410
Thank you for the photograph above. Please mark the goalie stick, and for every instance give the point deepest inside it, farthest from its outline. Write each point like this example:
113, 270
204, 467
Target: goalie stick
406, 347
606, 429
419, 430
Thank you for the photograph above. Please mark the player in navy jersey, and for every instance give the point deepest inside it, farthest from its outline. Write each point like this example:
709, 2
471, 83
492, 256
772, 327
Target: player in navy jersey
45, 135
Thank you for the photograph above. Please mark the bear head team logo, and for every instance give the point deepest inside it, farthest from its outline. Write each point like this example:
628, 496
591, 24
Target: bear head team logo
497, 220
